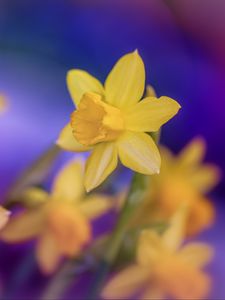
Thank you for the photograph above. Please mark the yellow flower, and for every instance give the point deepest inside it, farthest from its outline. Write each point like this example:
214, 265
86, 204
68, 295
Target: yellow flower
183, 178
62, 221
112, 122
186, 178
4, 216
164, 268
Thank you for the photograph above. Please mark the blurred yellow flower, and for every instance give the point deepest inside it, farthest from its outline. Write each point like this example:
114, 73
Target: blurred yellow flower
62, 220
111, 122
163, 268
3, 103
183, 178
4, 217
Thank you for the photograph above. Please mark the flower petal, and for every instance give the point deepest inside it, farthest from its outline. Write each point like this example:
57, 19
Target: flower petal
102, 161
149, 248
24, 226
150, 114
34, 196
70, 228
95, 205
48, 253
150, 91
80, 82
3, 103
138, 152
126, 283
153, 293
68, 184
124, 85
68, 142
168, 161
198, 254
206, 177
192, 154
201, 216
4, 216
173, 237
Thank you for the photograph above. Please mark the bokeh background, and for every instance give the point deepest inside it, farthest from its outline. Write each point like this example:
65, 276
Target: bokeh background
183, 46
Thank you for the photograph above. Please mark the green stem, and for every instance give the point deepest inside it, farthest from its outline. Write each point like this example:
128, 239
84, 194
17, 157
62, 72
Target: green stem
135, 196
33, 175
60, 282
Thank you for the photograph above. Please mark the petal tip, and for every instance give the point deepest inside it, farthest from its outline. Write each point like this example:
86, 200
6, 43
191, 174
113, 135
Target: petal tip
87, 188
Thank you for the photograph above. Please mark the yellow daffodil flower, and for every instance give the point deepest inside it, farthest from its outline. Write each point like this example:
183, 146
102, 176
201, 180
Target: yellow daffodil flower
164, 268
112, 122
186, 178
183, 178
62, 221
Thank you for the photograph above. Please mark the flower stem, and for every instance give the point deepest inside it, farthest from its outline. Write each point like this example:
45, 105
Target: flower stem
33, 175
60, 282
135, 196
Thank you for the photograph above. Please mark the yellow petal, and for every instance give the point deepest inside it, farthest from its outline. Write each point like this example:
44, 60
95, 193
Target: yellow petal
4, 216
80, 82
168, 161
206, 177
34, 196
150, 114
198, 254
68, 184
126, 283
24, 226
201, 216
95, 205
150, 91
149, 248
181, 280
3, 103
153, 293
47, 253
138, 152
124, 85
102, 162
68, 142
192, 154
173, 237
70, 228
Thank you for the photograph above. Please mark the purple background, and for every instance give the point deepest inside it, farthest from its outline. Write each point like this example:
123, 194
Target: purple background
182, 44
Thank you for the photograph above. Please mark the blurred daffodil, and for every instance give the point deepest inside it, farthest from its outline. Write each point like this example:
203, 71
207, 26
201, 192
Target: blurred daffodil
112, 122
183, 178
164, 268
4, 217
61, 221
3, 103
186, 178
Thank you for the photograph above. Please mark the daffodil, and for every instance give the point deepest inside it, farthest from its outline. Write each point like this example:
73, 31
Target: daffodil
183, 178
164, 268
113, 123
61, 222
4, 216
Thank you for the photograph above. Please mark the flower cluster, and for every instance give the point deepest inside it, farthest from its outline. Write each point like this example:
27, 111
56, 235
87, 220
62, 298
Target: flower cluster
116, 124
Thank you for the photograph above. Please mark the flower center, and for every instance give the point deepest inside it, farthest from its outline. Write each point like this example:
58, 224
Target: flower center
95, 121
68, 226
